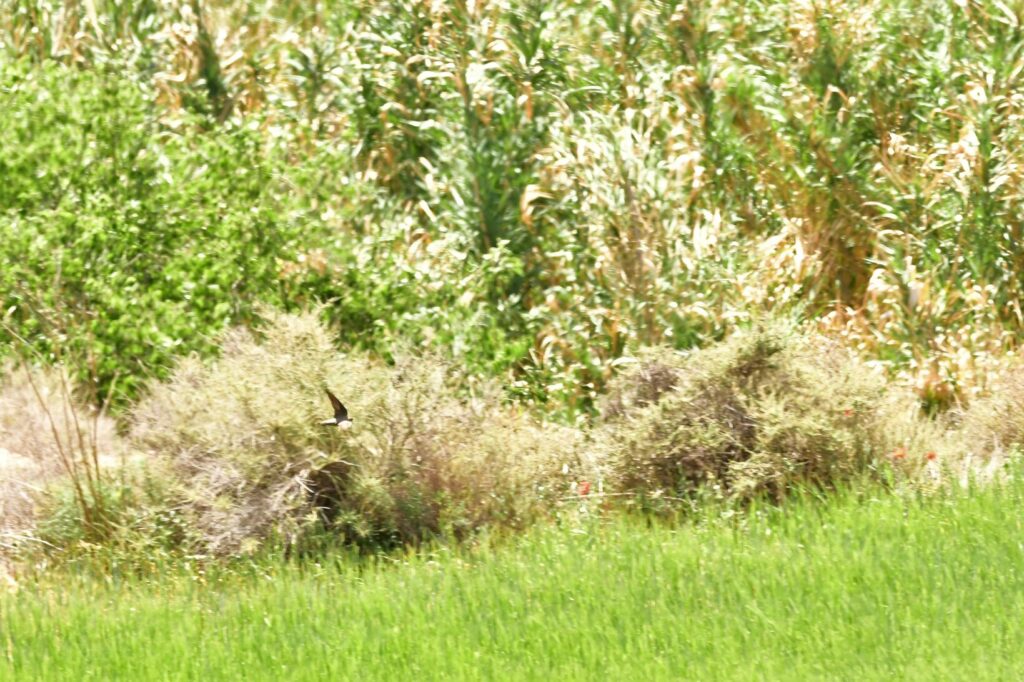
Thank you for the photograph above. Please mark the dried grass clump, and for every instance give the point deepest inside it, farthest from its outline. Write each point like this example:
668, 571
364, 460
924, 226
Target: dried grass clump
38, 422
757, 414
243, 437
19, 478
992, 427
46, 434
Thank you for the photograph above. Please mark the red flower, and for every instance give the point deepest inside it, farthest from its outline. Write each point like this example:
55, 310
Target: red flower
931, 456
584, 488
899, 453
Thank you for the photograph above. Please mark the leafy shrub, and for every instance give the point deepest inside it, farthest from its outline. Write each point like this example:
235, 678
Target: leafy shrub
764, 411
123, 241
251, 461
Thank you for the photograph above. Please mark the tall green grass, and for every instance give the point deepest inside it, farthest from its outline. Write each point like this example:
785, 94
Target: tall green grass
534, 188
862, 587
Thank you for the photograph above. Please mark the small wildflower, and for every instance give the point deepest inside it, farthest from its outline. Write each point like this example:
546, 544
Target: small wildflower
899, 454
584, 488
848, 412
931, 456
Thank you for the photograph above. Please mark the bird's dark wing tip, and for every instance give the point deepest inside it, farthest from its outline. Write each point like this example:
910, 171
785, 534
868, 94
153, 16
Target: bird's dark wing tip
340, 413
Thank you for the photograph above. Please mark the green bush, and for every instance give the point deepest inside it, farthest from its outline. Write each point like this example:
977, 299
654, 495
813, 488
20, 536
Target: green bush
141, 528
125, 243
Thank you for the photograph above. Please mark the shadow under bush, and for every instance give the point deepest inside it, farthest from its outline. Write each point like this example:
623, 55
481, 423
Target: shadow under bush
252, 462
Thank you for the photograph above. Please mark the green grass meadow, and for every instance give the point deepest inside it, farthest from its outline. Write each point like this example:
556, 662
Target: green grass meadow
701, 256
861, 588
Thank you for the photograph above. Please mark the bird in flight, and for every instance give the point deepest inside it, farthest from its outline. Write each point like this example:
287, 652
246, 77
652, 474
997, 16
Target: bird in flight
340, 418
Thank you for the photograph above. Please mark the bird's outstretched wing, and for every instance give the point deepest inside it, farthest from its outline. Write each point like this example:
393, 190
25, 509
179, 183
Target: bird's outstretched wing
340, 413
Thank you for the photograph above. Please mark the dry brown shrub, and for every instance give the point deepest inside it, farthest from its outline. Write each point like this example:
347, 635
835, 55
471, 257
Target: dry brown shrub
764, 411
252, 461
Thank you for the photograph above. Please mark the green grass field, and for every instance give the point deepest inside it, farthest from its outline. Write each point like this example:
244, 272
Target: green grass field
533, 245
884, 588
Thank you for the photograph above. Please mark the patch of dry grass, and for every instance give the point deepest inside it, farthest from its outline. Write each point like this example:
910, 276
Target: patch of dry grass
47, 435
991, 428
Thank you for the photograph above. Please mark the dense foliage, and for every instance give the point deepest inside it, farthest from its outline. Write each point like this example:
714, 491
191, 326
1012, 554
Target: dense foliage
530, 187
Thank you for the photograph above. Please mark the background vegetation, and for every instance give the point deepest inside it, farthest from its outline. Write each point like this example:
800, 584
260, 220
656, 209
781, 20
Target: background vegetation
528, 188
